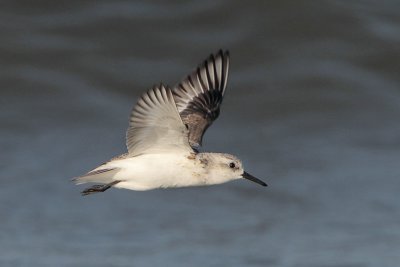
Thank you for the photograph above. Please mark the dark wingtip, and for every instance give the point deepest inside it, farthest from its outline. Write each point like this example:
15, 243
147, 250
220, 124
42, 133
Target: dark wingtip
222, 53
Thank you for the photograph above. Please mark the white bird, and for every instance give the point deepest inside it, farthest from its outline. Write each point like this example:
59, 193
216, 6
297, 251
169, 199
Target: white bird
165, 131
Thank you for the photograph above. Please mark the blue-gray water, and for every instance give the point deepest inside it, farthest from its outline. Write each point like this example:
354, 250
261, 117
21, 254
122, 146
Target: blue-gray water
312, 107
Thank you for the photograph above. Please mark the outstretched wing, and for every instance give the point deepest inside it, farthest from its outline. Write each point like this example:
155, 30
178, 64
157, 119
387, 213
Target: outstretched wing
155, 125
199, 96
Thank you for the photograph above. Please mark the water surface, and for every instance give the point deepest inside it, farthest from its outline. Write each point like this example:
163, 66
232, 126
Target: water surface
312, 107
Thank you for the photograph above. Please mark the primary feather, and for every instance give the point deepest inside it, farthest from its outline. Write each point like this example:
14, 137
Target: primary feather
199, 96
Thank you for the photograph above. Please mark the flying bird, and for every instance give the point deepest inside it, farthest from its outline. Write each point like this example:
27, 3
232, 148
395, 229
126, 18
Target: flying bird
165, 133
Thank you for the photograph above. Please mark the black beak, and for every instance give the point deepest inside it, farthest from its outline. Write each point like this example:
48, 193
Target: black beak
253, 179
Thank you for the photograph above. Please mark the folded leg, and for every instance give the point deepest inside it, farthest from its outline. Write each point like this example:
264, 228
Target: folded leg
98, 188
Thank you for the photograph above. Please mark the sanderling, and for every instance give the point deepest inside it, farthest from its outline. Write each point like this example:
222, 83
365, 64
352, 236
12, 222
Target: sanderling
165, 132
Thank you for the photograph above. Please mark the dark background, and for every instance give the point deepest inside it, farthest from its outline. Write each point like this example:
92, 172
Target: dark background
312, 107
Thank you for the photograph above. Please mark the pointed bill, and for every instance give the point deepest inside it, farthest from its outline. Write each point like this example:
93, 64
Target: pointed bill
199, 96
253, 179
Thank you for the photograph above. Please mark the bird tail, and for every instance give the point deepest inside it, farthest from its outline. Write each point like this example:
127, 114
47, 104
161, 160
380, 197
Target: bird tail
101, 176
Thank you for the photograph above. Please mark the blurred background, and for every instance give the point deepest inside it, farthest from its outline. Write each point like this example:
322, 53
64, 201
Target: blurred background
312, 108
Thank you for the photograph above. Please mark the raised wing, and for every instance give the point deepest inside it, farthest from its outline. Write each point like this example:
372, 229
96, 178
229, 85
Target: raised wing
199, 96
155, 125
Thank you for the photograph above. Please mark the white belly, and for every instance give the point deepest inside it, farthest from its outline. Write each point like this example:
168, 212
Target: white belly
152, 171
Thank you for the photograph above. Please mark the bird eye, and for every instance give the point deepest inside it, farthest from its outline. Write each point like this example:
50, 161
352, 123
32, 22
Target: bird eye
232, 165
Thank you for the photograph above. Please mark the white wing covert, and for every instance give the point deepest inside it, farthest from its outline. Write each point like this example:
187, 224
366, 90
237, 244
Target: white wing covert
155, 125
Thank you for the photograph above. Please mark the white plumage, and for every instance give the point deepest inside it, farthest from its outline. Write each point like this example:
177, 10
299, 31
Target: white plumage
162, 139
